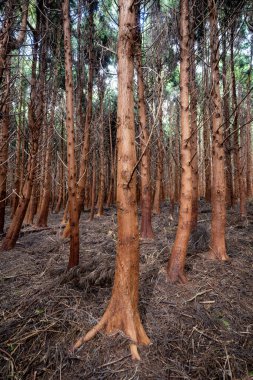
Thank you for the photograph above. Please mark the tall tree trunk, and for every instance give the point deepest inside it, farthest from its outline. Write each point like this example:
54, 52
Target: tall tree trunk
218, 224
84, 159
46, 195
227, 147
34, 129
72, 185
249, 167
176, 263
4, 145
194, 130
101, 194
239, 181
111, 174
146, 204
159, 163
122, 312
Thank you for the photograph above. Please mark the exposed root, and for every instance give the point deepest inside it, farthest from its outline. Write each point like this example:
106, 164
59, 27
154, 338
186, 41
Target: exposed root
212, 255
176, 276
134, 352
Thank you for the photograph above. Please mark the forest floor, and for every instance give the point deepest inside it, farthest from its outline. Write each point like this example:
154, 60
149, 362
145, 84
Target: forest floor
201, 330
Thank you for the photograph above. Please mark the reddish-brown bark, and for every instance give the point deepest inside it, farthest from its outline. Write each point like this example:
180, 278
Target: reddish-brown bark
227, 146
238, 178
4, 134
146, 205
218, 223
122, 312
175, 270
194, 131
72, 185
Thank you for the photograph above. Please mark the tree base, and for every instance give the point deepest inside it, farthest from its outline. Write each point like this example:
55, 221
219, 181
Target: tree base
217, 255
176, 276
117, 319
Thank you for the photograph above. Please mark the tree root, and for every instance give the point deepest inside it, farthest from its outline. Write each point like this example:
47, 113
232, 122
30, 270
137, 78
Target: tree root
113, 322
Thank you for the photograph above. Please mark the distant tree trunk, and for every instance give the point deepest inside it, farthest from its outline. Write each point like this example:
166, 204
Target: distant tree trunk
218, 224
4, 144
16, 224
146, 204
249, 167
101, 193
46, 194
194, 130
206, 132
93, 186
176, 263
84, 159
159, 163
239, 181
60, 199
122, 312
111, 174
227, 147
72, 185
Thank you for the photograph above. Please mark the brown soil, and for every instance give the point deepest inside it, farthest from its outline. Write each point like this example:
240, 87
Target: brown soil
201, 330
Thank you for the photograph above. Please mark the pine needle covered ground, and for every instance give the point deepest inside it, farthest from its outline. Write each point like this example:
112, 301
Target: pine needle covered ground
202, 330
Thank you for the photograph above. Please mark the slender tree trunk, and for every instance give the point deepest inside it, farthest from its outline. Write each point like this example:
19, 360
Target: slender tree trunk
84, 159
122, 312
227, 147
111, 174
176, 263
4, 145
218, 224
93, 186
237, 164
46, 195
16, 224
60, 199
159, 163
72, 185
194, 131
101, 194
249, 166
146, 204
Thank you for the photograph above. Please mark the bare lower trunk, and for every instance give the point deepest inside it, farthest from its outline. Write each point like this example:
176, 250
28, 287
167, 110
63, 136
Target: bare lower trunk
4, 143
122, 312
72, 185
217, 246
146, 205
176, 263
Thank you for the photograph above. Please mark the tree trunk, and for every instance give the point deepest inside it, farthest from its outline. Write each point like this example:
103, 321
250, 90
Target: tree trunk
146, 205
122, 312
72, 186
227, 147
34, 128
101, 194
84, 159
194, 131
218, 223
46, 195
238, 178
93, 186
4, 144
176, 263
159, 163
